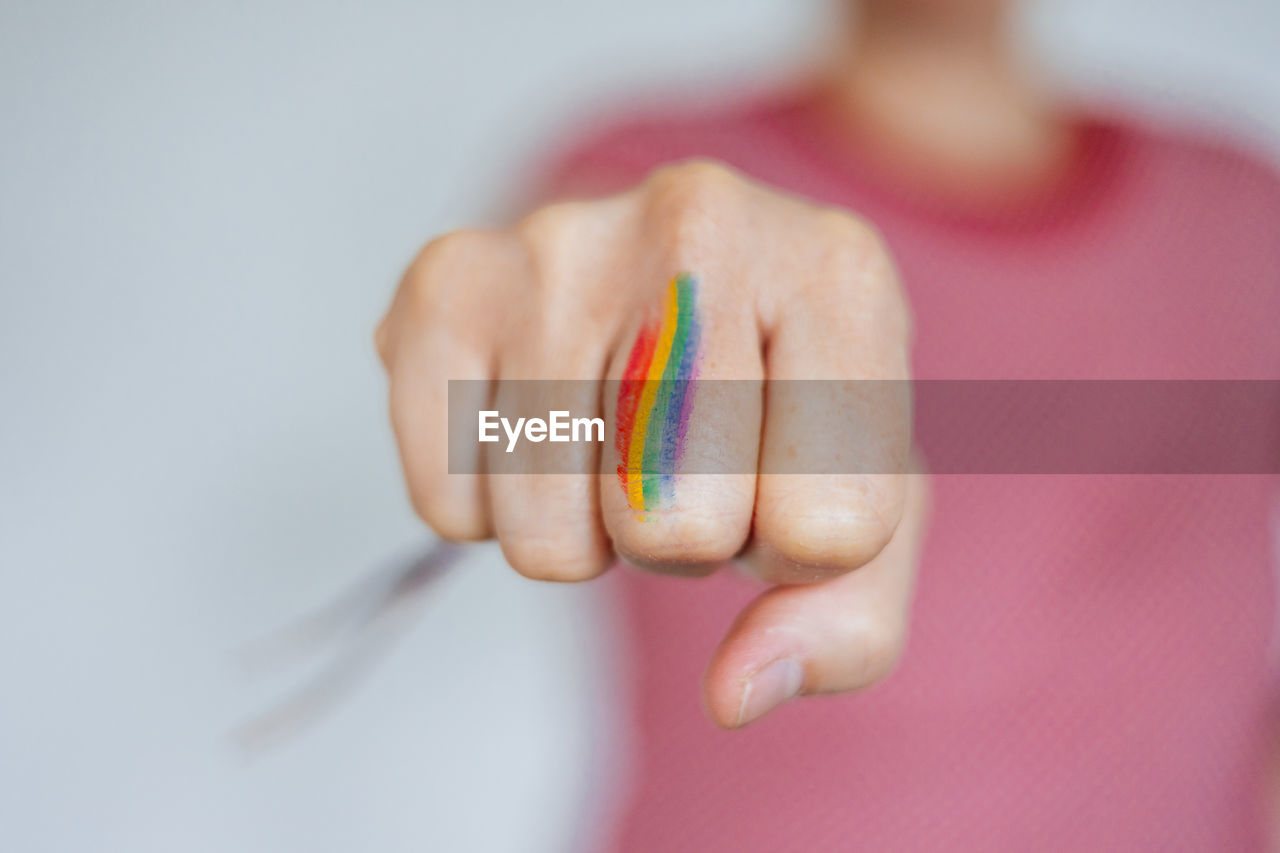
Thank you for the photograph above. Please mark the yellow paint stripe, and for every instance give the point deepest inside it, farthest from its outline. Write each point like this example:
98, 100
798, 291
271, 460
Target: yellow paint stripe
662, 352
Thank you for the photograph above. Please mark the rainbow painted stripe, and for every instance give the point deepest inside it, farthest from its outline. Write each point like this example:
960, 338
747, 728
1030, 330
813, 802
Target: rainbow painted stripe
654, 400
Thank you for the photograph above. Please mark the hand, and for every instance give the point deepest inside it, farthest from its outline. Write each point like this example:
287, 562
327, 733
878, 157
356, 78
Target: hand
696, 269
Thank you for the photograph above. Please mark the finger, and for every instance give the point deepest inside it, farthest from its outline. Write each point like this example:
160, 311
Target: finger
684, 451
435, 331
843, 634
544, 499
831, 491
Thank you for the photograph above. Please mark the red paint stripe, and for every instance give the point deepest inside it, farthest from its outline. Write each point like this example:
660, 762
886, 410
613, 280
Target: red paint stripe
629, 390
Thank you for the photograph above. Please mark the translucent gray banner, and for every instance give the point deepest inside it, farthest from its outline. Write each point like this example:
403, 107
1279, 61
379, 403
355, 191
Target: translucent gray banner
865, 427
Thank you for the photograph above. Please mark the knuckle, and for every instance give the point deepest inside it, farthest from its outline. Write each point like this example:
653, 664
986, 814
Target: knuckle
680, 539
696, 176
439, 263
827, 541
553, 238
690, 202
423, 297
841, 225
551, 224
450, 249
551, 558
855, 259
449, 519
850, 247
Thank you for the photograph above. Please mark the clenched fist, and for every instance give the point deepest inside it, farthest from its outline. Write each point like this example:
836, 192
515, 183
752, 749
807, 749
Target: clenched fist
696, 274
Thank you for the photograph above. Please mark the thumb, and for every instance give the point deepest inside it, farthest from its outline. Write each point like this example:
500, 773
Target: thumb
842, 634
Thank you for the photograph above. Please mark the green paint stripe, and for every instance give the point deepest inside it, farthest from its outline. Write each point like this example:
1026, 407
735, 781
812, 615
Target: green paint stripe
657, 426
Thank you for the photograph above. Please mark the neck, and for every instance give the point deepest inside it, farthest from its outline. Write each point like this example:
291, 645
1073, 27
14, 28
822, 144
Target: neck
939, 101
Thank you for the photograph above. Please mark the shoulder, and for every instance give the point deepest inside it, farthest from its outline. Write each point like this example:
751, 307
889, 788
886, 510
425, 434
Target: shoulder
1209, 166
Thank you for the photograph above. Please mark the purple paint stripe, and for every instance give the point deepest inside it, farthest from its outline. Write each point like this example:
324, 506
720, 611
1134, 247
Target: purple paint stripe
680, 408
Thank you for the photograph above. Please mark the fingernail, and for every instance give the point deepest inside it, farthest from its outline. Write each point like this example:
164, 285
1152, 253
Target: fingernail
769, 688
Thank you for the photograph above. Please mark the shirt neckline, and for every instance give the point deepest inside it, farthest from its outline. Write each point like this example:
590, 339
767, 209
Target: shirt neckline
1101, 149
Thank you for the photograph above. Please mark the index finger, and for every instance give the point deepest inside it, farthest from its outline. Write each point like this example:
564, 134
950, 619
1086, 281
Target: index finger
837, 427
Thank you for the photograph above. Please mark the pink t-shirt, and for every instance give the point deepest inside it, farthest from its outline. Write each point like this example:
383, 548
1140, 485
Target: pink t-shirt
1089, 664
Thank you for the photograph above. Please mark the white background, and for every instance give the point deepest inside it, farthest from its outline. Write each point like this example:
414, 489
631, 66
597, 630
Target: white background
203, 208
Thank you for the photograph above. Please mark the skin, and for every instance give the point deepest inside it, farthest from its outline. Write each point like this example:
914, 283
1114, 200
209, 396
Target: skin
787, 291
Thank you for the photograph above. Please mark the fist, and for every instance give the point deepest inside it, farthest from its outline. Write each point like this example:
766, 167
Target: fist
696, 274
